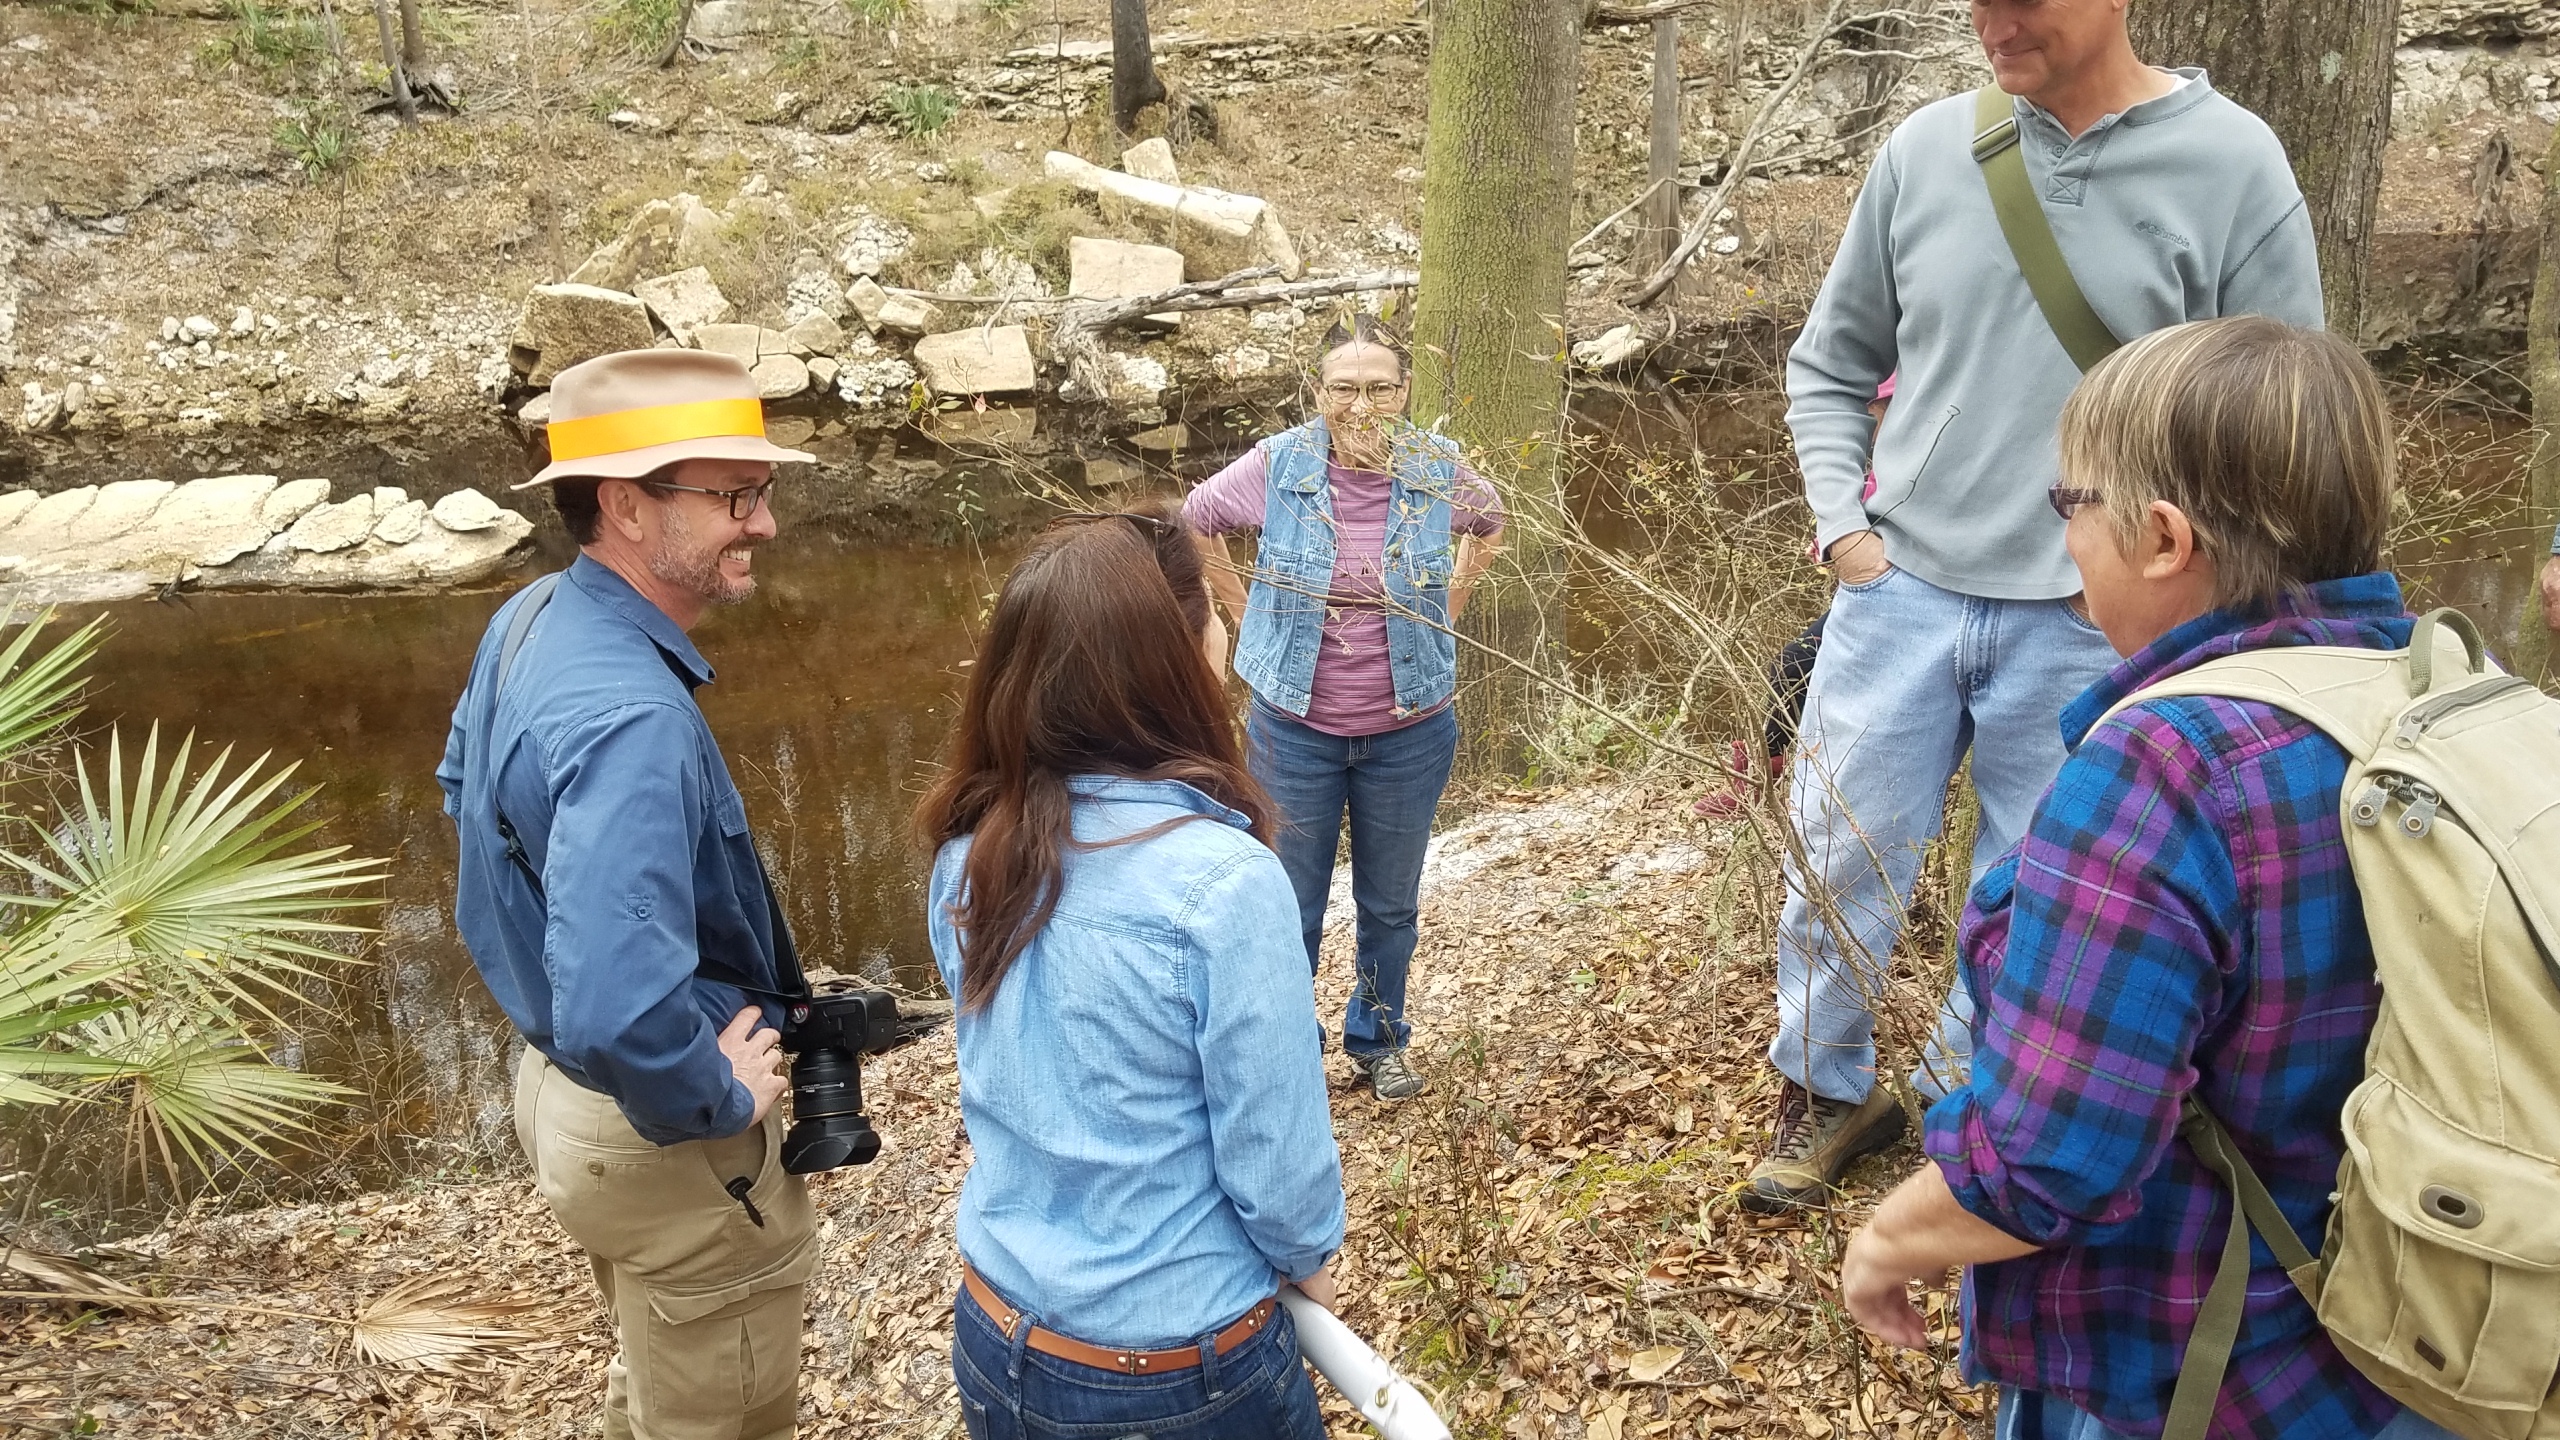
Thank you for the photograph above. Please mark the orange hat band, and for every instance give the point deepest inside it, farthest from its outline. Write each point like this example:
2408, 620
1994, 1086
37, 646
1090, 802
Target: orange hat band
620, 430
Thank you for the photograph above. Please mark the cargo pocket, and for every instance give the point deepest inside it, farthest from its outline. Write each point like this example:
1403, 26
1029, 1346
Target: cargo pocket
2443, 1265
753, 1258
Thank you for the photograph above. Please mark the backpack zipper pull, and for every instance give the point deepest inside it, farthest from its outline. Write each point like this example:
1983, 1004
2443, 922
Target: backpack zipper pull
2421, 814
2369, 803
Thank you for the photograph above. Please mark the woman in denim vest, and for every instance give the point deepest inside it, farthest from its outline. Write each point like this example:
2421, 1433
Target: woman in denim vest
1371, 533
1154, 1156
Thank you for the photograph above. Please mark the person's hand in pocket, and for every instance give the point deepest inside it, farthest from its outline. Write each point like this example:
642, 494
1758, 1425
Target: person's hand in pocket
1858, 558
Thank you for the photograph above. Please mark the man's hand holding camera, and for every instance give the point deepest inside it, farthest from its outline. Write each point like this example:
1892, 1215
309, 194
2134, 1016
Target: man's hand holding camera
755, 1057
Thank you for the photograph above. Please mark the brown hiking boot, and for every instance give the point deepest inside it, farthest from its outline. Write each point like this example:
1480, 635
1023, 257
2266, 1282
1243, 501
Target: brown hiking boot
1817, 1139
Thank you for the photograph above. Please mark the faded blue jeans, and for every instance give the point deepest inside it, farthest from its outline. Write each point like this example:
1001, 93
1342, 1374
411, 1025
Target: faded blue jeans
1908, 679
2031, 1415
1009, 1391
1391, 784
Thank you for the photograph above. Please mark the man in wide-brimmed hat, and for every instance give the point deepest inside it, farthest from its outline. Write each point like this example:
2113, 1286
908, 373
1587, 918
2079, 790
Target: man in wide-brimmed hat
612, 898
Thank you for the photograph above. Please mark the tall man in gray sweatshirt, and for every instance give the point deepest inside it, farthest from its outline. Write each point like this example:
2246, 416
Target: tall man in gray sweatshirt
1956, 624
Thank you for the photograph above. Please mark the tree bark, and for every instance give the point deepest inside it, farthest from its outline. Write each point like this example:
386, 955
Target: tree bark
1488, 339
675, 37
2542, 370
1134, 83
1662, 158
413, 38
2319, 73
1497, 214
400, 95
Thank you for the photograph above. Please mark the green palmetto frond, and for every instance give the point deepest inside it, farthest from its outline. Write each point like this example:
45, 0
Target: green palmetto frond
197, 880
39, 697
49, 969
202, 1091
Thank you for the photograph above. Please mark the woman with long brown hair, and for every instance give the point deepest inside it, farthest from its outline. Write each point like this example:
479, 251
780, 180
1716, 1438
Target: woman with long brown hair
1138, 1072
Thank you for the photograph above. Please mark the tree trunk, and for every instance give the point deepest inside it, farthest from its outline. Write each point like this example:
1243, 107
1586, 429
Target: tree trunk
413, 38
1662, 159
1497, 214
675, 37
2542, 371
1488, 340
1134, 84
2319, 73
400, 95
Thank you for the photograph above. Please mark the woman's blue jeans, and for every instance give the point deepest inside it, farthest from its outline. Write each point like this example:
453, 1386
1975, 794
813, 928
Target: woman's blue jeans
2027, 1415
1009, 1391
1391, 784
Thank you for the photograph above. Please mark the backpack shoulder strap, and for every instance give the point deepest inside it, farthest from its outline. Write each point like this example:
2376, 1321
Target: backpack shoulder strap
2217, 1329
1997, 150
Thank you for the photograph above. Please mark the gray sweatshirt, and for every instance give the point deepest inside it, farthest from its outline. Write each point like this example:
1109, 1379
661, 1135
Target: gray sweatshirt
2181, 208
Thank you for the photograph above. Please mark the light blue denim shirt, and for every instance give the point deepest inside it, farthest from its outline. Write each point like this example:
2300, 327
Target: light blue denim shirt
1144, 1091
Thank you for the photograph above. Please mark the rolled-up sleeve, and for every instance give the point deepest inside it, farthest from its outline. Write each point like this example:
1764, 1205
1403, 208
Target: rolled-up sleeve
2096, 953
1269, 1126
619, 937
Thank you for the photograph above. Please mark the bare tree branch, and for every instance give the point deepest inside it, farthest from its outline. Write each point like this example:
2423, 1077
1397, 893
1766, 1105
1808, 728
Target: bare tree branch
1078, 339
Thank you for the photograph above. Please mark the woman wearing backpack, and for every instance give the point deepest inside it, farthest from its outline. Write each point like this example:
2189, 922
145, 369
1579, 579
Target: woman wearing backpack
2179, 922
1154, 1156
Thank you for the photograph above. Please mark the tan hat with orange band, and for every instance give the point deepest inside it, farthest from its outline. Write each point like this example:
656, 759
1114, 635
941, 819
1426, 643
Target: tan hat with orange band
621, 416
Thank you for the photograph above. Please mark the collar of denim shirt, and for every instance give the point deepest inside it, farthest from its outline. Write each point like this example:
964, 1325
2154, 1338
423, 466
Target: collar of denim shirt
616, 594
1154, 792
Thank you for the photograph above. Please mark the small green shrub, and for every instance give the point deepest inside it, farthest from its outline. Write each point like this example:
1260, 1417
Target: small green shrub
605, 101
642, 27
1006, 12
267, 41
881, 13
799, 53
318, 139
921, 111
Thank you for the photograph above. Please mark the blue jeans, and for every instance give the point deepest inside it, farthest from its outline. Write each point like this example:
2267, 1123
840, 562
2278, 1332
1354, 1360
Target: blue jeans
2032, 1415
1391, 784
1909, 677
1009, 1391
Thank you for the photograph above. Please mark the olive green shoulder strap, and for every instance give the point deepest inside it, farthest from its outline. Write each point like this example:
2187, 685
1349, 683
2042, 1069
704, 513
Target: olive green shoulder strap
2030, 234
2217, 1329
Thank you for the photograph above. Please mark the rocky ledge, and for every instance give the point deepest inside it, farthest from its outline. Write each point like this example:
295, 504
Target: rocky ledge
243, 532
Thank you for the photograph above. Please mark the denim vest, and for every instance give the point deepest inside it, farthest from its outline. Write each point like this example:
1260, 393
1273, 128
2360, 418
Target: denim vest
1293, 570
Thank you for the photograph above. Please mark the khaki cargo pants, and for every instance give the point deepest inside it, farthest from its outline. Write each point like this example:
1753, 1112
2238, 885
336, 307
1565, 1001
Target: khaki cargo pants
705, 1303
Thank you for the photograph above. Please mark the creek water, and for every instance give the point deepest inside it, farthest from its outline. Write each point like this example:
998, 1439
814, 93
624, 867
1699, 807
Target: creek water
835, 686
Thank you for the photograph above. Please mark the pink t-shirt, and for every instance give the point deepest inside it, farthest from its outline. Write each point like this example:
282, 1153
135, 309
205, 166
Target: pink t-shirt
1354, 692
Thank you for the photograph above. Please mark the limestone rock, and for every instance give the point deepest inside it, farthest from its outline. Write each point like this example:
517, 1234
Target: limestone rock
1610, 348
536, 411
981, 360
1151, 160
652, 243
437, 557
816, 335
121, 506
868, 244
290, 502
567, 323
465, 511
779, 377
53, 514
740, 342
684, 300
1101, 269
885, 313
387, 498
823, 370
212, 521
14, 507
333, 527
402, 524
1223, 222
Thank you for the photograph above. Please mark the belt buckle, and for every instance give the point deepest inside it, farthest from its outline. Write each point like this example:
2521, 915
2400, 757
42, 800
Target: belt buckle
1129, 1362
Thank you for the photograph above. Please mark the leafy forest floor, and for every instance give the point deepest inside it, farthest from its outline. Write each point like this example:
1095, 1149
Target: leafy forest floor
1546, 1239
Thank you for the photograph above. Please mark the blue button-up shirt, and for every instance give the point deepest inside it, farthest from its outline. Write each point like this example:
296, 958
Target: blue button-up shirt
604, 764
1144, 1091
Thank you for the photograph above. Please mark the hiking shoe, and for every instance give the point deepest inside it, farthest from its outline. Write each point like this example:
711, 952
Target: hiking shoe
1389, 1077
1816, 1141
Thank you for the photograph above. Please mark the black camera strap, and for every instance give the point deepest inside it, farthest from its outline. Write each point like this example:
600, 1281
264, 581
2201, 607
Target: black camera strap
786, 955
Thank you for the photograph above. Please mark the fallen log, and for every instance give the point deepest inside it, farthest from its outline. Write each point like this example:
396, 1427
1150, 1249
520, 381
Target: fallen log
1077, 340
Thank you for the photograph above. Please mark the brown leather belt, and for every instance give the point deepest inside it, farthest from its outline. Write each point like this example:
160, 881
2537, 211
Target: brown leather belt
1127, 1362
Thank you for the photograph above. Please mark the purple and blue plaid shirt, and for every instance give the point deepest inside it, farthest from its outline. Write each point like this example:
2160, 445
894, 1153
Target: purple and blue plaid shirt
2180, 916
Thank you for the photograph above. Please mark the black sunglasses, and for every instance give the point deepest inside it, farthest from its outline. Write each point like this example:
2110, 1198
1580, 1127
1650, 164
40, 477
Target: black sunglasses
2066, 501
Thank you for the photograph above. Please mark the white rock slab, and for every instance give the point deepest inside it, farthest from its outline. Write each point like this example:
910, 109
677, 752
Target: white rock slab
329, 528
686, 299
466, 511
401, 524
779, 377
739, 342
1100, 269
291, 501
1151, 160
981, 360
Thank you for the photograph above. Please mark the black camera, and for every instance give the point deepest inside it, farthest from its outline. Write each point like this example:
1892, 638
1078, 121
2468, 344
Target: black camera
827, 1035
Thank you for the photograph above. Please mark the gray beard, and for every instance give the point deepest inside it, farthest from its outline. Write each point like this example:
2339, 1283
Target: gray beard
685, 564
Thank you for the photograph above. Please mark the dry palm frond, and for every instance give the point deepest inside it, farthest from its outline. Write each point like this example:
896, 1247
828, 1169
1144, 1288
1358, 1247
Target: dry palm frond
60, 1272
431, 1322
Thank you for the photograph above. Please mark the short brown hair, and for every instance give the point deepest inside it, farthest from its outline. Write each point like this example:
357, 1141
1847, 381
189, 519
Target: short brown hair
582, 513
2275, 441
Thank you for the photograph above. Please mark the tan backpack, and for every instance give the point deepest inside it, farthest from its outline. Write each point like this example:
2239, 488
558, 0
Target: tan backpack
2440, 1278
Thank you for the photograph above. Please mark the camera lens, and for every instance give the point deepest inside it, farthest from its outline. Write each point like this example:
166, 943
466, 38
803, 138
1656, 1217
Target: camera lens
827, 1125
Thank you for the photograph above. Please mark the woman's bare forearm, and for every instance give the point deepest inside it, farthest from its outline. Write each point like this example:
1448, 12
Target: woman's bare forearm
1476, 554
